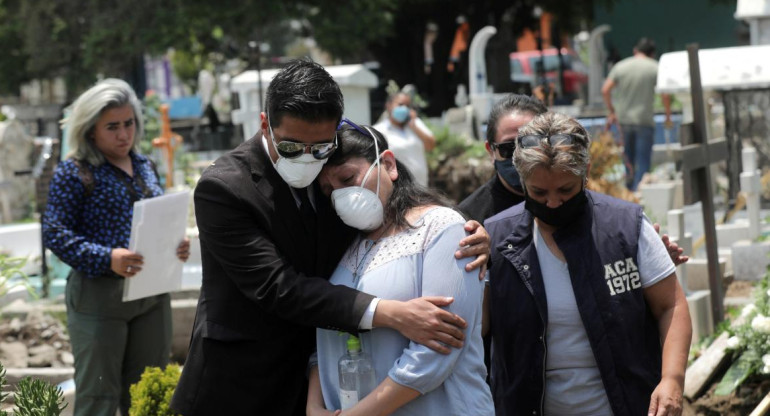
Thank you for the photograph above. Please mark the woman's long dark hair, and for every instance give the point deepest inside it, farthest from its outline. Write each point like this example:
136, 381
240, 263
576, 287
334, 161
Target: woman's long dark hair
406, 192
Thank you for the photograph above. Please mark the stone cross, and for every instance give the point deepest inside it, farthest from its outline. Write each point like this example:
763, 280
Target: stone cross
697, 154
168, 142
751, 187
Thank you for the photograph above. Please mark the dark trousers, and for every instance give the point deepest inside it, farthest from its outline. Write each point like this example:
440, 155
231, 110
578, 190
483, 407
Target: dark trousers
113, 341
638, 141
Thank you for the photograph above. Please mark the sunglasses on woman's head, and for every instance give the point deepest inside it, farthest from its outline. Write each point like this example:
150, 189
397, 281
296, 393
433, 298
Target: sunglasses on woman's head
291, 149
505, 149
553, 140
355, 126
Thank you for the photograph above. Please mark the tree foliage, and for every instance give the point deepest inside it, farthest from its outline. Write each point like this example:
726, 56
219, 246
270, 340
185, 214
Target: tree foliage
80, 39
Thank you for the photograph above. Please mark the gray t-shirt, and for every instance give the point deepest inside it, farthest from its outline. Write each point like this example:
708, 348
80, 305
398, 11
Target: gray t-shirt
573, 385
634, 92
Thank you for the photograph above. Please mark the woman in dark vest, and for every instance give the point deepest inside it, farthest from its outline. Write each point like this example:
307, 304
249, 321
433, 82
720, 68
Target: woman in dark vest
586, 314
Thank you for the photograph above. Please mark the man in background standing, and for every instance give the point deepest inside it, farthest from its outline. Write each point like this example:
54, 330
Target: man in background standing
634, 79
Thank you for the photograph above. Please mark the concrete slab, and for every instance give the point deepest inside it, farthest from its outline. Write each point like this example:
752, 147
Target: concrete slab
700, 373
698, 275
701, 314
750, 259
728, 234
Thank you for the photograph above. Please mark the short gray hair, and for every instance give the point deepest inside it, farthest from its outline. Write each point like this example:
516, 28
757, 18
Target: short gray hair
107, 94
573, 158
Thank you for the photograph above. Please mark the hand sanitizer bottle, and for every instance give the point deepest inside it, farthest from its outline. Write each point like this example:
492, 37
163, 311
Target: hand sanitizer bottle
356, 374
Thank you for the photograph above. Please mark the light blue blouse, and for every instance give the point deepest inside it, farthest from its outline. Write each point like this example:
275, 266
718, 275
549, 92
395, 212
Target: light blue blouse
416, 262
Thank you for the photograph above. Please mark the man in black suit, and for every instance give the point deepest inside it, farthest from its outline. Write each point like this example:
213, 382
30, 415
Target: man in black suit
269, 239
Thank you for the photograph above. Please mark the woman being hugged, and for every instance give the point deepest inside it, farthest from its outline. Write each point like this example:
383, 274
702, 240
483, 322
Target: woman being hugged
586, 314
87, 224
405, 250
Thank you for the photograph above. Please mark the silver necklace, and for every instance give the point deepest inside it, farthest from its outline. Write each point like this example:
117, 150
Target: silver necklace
359, 262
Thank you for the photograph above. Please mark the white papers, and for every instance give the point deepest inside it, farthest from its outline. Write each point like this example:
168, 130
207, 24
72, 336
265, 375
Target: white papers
157, 229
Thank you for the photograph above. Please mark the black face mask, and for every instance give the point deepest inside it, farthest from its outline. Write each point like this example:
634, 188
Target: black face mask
560, 216
508, 172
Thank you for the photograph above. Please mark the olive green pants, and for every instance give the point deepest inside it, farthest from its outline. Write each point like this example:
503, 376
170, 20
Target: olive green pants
113, 341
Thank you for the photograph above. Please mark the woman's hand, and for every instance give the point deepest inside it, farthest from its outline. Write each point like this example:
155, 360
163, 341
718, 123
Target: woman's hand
477, 244
666, 399
183, 250
125, 262
320, 411
674, 251
315, 401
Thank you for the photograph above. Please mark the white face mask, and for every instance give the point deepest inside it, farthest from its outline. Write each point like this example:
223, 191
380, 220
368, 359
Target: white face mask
298, 172
357, 206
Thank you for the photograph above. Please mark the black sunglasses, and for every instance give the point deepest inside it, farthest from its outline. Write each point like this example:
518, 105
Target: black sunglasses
291, 149
505, 149
553, 140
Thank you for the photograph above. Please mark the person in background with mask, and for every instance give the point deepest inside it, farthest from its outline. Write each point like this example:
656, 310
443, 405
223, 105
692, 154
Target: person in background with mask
269, 240
586, 313
404, 249
504, 189
408, 137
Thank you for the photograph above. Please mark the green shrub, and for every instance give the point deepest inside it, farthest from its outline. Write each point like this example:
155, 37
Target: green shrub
38, 398
151, 395
3, 394
11, 274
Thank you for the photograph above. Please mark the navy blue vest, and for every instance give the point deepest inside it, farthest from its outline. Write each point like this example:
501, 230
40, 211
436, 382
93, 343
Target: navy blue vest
601, 252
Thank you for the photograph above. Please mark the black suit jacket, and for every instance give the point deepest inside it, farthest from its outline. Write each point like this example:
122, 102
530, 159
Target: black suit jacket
261, 296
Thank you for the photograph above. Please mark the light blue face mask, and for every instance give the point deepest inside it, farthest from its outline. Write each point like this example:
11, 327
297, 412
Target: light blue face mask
400, 113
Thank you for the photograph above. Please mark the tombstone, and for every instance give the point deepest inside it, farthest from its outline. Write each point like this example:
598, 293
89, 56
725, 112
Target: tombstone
16, 192
750, 256
597, 56
659, 198
757, 14
751, 188
698, 298
734, 77
355, 81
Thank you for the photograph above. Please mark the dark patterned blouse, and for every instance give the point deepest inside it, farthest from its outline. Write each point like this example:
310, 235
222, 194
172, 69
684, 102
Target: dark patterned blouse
82, 224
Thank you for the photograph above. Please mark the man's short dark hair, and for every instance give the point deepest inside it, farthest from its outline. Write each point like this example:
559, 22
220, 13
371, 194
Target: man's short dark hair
518, 103
304, 90
646, 46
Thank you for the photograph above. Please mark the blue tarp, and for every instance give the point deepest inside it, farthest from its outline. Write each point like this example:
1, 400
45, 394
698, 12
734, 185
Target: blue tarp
185, 107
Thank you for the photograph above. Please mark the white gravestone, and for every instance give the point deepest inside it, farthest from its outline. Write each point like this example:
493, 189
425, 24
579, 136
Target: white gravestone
16, 192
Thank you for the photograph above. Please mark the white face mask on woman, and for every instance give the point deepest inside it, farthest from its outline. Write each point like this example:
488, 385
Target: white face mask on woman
357, 206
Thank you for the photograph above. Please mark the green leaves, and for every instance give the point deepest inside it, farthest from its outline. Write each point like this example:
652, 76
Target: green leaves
11, 274
38, 398
151, 396
750, 339
738, 372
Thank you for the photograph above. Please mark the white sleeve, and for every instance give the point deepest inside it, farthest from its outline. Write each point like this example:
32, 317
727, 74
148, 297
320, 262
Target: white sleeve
368, 317
422, 126
654, 262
